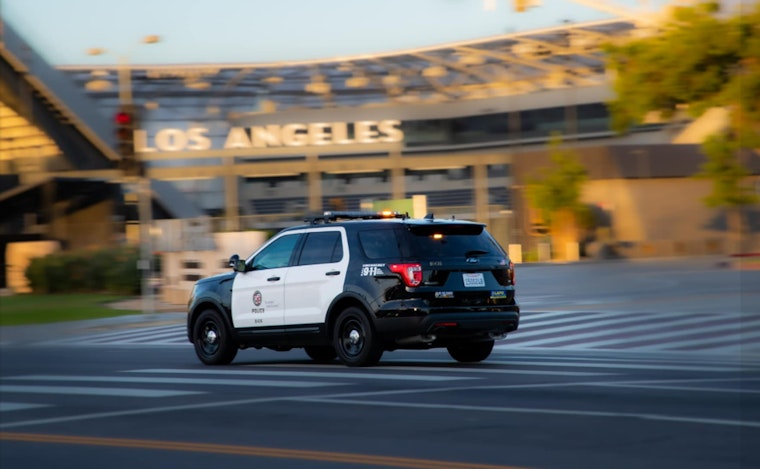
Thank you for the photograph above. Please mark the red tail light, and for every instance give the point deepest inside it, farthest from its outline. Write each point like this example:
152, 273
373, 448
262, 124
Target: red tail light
410, 273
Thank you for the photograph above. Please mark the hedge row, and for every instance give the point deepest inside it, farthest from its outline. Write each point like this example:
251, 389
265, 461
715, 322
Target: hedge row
110, 270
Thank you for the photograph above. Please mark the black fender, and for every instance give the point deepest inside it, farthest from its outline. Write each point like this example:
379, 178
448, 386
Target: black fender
352, 297
202, 304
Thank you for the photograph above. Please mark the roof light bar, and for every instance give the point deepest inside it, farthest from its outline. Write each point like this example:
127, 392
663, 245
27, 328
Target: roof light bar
329, 216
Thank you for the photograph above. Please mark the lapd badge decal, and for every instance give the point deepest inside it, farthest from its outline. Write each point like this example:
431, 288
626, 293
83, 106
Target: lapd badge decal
257, 300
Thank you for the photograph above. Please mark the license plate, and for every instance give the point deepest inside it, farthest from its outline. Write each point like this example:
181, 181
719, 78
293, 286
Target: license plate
474, 280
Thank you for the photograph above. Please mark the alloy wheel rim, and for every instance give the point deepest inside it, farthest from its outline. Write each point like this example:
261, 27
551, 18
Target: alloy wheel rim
210, 338
352, 339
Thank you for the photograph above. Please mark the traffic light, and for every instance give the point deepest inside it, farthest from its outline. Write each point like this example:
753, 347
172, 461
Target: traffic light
125, 123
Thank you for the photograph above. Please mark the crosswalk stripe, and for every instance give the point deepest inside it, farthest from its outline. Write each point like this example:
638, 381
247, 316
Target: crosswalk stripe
616, 365
677, 388
311, 374
529, 332
536, 320
93, 391
686, 328
570, 330
116, 335
11, 406
675, 338
664, 357
156, 335
538, 411
499, 372
642, 333
730, 348
742, 335
161, 380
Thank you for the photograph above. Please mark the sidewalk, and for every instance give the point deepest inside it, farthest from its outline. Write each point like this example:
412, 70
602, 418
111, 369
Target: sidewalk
155, 305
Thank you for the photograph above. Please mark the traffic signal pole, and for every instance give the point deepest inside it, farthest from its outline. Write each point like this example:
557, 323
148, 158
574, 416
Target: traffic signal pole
126, 121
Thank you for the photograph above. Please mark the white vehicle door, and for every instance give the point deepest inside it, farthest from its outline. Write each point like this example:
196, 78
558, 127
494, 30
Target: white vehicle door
317, 276
258, 294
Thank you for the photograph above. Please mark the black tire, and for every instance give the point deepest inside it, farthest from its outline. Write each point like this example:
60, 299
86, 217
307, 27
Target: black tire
354, 339
321, 353
471, 352
213, 340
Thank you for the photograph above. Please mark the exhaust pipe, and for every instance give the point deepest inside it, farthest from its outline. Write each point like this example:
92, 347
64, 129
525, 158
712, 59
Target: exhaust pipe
417, 339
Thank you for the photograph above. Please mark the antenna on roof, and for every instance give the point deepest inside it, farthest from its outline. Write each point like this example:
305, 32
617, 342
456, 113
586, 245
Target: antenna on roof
429, 216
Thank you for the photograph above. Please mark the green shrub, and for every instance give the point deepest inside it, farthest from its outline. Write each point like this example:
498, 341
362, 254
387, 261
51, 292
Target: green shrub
110, 270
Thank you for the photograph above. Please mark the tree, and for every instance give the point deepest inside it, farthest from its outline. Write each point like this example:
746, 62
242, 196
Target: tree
556, 195
727, 173
699, 59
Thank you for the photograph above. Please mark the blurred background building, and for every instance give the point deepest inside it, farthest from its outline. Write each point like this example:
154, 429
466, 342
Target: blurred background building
231, 147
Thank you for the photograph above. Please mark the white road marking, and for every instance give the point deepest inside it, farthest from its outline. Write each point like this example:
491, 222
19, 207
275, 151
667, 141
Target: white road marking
131, 412
581, 364
635, 335
10, 406
93, 391
501, 371
310, 374
159, 380
529, 321
728, 331
589, 330
739, 335
677, 388
534, 410
114, 336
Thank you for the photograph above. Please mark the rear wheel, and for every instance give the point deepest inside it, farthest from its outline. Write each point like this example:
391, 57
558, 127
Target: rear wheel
213, 340
471, 352
321, 353
354, 339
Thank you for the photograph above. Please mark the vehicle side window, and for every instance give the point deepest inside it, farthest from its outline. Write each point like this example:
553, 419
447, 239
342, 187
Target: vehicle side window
321, 248
277, 254
379, 244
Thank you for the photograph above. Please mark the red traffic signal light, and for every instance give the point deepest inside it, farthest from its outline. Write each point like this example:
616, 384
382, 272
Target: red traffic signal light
123, 118
125, 122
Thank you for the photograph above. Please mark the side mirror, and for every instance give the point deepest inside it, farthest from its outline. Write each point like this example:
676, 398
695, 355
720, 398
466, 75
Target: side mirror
237, 264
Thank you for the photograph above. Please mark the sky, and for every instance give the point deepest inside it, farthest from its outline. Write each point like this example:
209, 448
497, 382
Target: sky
261, 31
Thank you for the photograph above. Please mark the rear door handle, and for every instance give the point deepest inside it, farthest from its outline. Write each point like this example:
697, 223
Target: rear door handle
273, 279
333, 272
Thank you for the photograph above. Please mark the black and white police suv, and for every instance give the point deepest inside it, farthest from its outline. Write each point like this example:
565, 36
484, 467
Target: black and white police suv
355, 284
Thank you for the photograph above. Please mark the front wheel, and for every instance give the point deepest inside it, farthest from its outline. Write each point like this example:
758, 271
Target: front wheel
213, 340
354, 339
471, 352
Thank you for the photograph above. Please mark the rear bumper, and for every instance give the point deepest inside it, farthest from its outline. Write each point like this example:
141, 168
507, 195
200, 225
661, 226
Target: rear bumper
468, 323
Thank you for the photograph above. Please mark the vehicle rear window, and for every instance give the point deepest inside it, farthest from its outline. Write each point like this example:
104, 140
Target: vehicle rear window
379, 243
451, 240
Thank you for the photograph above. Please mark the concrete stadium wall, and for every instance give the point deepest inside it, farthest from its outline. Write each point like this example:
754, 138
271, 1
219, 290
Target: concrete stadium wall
659, 217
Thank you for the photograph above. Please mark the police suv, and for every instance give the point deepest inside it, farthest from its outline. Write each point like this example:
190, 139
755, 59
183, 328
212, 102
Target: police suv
353, 285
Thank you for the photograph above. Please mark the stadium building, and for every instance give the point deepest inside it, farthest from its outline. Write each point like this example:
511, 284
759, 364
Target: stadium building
459, 128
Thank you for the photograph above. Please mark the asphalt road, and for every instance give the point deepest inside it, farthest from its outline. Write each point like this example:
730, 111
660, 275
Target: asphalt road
71, 398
